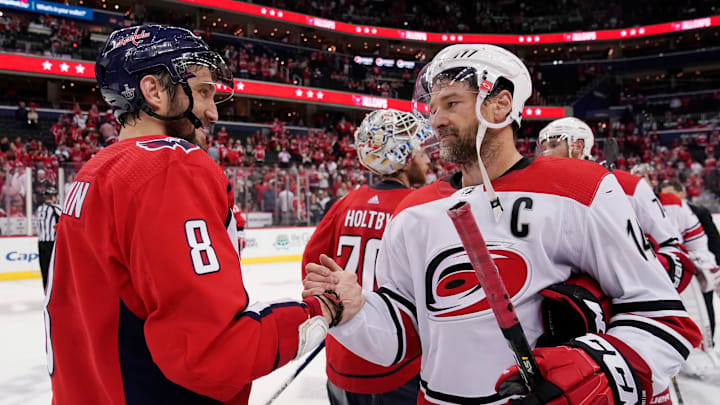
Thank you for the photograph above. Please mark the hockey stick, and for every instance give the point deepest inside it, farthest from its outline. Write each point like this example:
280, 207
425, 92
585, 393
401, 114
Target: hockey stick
677, 391
290, 379
610, 151
496, 293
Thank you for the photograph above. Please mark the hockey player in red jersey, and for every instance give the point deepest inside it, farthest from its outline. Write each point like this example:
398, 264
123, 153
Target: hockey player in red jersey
240, 227
543, 220
390, 144
145, 301
571, 137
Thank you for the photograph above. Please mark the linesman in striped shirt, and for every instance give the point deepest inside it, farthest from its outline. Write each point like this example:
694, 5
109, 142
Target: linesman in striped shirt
48, 214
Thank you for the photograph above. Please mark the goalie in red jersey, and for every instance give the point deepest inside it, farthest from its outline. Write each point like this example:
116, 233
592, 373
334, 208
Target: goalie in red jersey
392, 145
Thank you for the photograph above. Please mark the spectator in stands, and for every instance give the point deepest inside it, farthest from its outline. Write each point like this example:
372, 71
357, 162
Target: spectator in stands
42, 182
315, 208
287, 199
269, 200
21, 113
259, 154
32, 116
284, 158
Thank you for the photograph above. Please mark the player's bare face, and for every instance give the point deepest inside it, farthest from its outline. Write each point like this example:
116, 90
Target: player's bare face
554, 147
418, 169
203, 92
452, 108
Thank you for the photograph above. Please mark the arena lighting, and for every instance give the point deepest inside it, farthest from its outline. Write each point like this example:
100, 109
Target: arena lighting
72, 69
510, 39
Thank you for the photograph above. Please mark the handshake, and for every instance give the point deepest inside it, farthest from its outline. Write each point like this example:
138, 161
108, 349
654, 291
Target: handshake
338, 290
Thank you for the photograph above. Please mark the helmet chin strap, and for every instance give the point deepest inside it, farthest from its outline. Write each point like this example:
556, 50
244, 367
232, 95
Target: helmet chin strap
186, 114
482, 128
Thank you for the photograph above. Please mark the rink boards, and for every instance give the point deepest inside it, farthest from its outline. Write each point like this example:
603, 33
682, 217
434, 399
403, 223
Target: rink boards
19, 254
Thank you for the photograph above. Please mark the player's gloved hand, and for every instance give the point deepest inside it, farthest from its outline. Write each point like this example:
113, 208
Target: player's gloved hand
329, 276
679, 267
588, 371
707, 271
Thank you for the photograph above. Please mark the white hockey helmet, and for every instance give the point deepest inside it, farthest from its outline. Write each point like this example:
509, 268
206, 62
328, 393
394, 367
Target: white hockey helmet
386, 140
480, 65
570, 129
641, 169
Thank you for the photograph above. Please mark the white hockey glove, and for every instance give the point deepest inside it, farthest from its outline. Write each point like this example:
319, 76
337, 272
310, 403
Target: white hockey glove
310, 334
708, 272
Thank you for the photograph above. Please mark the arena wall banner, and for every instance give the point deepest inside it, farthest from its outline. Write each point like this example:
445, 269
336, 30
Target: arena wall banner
19, 258
275, 244
47, 7
467, 38
82, 70
19, 254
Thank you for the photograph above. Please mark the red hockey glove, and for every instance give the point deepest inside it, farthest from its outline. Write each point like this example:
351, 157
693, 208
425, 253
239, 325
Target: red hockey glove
590, 370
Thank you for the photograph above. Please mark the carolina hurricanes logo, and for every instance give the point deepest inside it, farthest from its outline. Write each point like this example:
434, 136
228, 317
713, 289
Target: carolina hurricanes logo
453, 289
170, 143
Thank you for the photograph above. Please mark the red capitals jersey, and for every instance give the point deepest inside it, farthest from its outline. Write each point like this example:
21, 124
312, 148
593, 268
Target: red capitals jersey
442, 188
350, 233
145, 299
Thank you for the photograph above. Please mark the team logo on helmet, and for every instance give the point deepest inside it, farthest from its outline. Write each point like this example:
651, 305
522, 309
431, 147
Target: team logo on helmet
169, 142
136, 37
452, 287
129, 92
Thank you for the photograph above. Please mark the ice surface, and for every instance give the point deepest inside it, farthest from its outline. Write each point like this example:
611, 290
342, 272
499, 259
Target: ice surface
24, 379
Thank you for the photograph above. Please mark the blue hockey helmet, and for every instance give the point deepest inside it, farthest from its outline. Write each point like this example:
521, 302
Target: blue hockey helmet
131, 53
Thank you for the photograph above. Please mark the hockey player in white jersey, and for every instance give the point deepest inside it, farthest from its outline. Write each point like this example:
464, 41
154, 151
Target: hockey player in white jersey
543, 221
571, 137
702, 361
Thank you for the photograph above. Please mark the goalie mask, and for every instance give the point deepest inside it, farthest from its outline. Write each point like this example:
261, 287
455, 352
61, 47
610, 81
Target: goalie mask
568, 129
479, 69
387, 139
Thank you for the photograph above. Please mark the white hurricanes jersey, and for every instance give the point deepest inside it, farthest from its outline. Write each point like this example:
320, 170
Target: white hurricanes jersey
657, 225
581, 221
693, 235
649, 209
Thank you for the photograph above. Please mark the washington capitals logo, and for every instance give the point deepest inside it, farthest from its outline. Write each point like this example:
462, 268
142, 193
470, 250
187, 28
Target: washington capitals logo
136, 37
169, 142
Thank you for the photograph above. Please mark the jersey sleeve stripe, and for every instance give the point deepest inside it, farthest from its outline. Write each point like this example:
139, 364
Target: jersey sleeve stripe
645, 306
657, 329
399, 330
693, 233
261, 310
455, 399
400, 300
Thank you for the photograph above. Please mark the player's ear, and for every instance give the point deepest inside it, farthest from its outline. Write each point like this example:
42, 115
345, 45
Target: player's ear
502, 106
151, 89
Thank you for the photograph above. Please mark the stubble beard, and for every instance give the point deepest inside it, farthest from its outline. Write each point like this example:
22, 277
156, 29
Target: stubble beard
183, 128
459, 148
